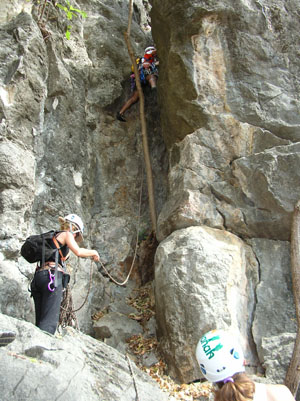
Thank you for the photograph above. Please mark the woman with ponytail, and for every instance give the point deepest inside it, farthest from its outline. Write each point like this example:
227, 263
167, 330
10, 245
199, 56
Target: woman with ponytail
221, 361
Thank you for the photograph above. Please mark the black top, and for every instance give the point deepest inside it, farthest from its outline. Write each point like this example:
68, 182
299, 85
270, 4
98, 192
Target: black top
64, 250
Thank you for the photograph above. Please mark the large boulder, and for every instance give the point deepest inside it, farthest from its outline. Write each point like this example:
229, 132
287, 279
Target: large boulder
204, 279
207, 278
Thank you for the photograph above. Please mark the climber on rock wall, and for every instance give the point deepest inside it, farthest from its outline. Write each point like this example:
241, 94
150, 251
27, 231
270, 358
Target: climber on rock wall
147, 67
47, 298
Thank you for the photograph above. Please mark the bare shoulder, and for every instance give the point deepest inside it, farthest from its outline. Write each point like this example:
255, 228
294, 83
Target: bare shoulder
278, 392
62, 237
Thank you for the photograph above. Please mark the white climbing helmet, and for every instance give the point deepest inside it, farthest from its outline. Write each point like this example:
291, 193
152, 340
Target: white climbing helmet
219, 356
74, 219
150, 50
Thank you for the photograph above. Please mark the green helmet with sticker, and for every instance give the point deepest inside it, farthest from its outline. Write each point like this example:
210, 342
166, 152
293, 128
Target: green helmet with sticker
219, 356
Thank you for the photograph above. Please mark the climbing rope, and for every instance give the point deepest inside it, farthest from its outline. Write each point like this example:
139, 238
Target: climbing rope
67, 316
136, 243
89, 289
67, 313
133, 378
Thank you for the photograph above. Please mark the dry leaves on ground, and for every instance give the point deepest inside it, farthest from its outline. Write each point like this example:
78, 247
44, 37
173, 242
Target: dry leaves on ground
140, 345
143, 303
185, 392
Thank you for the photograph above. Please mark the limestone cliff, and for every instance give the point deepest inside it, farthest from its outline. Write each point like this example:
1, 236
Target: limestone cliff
224, 142
229, 100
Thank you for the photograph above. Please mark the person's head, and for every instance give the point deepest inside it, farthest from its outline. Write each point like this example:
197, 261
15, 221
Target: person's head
150, 50
221, 361
72, 223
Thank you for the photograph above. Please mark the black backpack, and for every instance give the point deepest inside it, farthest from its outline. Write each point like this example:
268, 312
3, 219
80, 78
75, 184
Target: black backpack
37, 248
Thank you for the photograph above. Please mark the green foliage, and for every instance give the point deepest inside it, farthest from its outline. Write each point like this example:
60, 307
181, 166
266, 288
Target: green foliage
43, 14
68, 32
70, 12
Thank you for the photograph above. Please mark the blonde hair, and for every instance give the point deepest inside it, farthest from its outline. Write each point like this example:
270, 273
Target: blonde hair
241, 389
66, 225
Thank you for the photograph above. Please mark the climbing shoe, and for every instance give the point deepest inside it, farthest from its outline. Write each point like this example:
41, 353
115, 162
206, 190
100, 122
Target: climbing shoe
121, 117
6, 338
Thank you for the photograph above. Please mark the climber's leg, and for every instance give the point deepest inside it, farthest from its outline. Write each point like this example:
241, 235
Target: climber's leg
133, 99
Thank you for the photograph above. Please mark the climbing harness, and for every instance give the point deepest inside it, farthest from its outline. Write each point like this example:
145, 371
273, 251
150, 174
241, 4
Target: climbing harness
142, 76
133, 378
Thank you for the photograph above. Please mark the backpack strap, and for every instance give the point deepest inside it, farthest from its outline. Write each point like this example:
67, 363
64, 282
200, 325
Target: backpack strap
62, 258
43, 251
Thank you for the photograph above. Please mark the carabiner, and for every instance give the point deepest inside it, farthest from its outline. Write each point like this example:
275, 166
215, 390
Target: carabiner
51, 282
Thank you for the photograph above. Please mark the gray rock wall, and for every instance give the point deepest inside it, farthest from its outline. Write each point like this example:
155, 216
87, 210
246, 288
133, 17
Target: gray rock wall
72, 367
62, 149
229, 98
226, 182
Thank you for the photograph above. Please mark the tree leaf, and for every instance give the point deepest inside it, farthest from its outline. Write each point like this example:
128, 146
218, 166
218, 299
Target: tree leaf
62, 7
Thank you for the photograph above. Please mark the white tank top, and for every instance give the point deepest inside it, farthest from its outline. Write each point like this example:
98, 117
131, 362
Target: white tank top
260, 392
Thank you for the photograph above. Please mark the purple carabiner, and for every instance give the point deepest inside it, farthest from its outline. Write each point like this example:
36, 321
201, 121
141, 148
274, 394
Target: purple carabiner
51, 276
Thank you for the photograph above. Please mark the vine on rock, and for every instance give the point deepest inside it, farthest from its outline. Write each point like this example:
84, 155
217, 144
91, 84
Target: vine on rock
70, 12
44, 7
147, 159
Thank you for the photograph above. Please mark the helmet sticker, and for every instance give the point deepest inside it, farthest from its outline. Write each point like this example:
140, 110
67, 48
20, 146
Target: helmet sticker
235, 354
203, 370
206, 347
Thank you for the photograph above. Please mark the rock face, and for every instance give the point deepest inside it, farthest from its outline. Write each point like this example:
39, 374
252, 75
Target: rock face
73, 367
230, 119
223, 134
204, 278
62, 149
